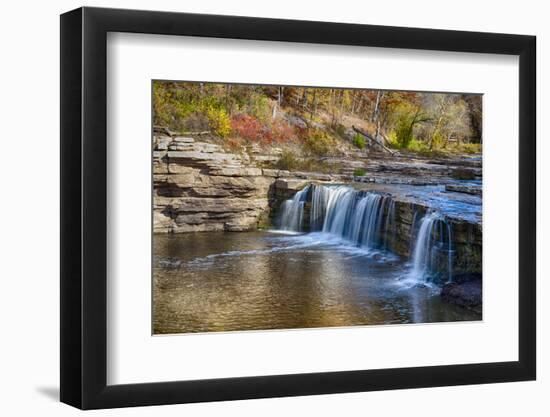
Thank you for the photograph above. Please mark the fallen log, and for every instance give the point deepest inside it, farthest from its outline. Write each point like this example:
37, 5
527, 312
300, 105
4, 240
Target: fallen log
373, 139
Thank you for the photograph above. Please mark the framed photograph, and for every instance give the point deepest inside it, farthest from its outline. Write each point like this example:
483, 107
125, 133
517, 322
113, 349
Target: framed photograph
258, 208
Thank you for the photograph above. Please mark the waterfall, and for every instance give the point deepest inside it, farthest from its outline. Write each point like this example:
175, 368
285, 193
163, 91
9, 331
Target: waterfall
367, 219
390, 228
433, 242
292, 211
357, 216
319, 200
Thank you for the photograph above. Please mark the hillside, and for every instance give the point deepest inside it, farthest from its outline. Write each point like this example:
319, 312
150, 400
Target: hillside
304, 126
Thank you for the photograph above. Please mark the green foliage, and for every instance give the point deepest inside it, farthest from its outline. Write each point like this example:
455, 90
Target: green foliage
419, 146
260, 108
161, 103
413, 144
469, 148
341, 130
319, 143
288, 161
181, 109
359, 172
392, 141
359, 141
438, 141
404, 130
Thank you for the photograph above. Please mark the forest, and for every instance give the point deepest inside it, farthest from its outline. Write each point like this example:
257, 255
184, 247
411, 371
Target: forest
321, 121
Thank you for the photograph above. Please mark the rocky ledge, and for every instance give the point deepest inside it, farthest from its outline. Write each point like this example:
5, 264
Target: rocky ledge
199, 187
473, 189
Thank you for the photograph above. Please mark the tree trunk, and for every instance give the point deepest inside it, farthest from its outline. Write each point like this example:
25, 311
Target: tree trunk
374, 115
371, 139
304, 98
314, 105
227, 95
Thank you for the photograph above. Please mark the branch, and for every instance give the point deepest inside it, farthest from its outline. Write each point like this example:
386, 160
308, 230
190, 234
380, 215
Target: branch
375, 140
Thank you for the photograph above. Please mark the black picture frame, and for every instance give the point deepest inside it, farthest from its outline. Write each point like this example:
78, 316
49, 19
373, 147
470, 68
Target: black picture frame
84, 207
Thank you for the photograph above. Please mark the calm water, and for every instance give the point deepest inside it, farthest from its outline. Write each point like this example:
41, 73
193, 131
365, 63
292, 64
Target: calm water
261, 280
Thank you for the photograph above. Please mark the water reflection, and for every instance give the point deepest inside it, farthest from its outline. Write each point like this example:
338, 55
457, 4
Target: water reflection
259, 280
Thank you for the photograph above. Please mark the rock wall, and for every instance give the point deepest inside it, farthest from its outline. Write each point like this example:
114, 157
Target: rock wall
198, 187
466, 238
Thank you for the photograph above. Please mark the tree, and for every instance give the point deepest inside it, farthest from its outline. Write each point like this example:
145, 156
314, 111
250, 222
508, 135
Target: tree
376, 110
474, 104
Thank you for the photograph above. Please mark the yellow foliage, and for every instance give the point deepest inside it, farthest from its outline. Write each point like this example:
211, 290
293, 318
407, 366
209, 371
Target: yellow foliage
219, 120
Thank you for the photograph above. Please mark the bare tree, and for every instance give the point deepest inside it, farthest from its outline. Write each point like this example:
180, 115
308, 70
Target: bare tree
376, 111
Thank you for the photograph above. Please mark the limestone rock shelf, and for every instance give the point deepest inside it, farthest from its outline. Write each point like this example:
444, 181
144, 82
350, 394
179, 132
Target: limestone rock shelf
199, 187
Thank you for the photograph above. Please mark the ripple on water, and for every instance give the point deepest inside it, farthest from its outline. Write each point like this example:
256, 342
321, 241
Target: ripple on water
265, 280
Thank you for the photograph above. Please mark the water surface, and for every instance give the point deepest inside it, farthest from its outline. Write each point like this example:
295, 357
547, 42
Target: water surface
263, 280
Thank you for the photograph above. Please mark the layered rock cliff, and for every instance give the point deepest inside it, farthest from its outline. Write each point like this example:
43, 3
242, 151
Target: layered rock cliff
198, 187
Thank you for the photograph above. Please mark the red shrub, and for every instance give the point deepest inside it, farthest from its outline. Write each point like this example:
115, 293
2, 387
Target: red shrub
282, 132
250, 128
247, 127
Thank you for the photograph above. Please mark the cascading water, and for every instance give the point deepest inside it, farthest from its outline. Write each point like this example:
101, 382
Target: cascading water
356, 217
342, 211
367, 219
433, 242
292, 211
319, 200
390, 226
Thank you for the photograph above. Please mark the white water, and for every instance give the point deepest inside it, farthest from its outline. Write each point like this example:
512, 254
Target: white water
292, 212
358, 217
366, 220
430, 244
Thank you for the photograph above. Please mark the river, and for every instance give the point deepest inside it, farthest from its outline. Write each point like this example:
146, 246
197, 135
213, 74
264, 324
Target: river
263, 280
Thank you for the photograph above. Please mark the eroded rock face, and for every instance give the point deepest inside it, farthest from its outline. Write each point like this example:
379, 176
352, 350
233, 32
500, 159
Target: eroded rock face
198, 187
466, 238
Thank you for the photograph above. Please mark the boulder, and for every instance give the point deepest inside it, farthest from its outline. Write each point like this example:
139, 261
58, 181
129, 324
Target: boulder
466, 294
